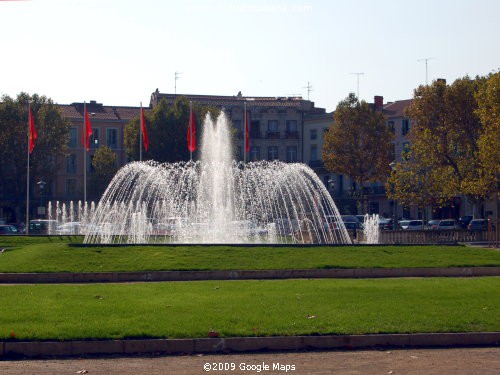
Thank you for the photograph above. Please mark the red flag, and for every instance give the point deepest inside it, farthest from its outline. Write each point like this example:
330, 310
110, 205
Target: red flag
191, 134
32, 130
247, 133
87, 131
145, 138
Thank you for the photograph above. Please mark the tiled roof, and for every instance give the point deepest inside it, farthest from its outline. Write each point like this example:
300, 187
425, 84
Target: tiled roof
99, 111
396, 109
238, 100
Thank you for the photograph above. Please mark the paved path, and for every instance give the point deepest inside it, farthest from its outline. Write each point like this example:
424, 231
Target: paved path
481, 361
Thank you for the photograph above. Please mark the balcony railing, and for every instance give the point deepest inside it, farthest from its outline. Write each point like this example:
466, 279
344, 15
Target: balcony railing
255, 135
292, 134
273, 135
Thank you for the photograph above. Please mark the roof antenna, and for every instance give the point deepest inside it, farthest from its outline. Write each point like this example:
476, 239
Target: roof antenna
426, 59
309, 89
358, 74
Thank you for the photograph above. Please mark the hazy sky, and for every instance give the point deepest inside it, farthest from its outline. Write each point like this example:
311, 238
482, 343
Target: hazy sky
119, 51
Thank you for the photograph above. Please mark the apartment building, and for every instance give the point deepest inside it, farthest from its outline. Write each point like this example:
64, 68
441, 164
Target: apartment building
276, 123
108, 124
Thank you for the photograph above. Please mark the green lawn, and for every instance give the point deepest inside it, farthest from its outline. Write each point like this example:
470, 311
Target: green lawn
44, 254
249, 308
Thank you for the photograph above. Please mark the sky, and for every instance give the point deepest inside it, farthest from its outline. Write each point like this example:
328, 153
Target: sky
118, 52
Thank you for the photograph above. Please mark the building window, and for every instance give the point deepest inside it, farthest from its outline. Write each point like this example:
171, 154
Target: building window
393, 152
314, 152
291, 125
272, 153
71, 163
291, 129
291, 154
406, 150
237, 127
314, 134
326, 181
94, 138
390, 125
237, 124
272, 125
72, 137
405, 128
255, 129
112, 138
254, 153
91, 168
71, 187
272, 129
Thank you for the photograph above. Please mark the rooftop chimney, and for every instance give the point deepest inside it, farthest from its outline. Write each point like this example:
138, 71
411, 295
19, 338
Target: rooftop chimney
378, 102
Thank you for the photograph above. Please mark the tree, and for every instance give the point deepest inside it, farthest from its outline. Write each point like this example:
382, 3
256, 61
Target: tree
358, 144
104, 164
53, 136
444, 139
167, 129
488, 100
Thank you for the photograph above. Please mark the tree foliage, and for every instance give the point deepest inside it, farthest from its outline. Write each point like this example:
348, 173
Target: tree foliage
488, 100
167, 130
358, 144
104, 165
444, 145
53, 136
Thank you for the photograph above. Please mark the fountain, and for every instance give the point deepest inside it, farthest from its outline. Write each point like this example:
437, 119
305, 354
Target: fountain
371, 229
216, 200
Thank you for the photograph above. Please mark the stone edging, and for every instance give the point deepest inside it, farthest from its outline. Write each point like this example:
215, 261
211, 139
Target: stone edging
12, 349
116, 277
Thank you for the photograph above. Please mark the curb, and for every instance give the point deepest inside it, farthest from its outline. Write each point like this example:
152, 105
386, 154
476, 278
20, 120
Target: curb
15, 349
117, 277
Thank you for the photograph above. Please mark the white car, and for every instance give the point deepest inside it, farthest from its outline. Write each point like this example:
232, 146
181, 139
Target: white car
415, 225
70, 228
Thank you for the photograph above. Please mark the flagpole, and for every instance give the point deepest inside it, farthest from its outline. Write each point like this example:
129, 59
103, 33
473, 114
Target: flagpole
140, 135
28, 177
190, 129
245, 132
84, 129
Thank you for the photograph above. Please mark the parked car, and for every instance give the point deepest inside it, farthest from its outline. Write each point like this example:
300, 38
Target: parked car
70, 228
361, 218
478, 224
41, 226
403, 224
415, 225
350, 218
6, 229
385, 224
449, 224
433, 224
465, 220
352, 227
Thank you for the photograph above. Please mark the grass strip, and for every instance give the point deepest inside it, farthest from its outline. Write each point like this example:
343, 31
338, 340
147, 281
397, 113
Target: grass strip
248, 308
40, 255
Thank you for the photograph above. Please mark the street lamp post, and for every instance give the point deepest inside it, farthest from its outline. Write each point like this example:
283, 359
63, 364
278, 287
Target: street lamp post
41, 185
395, 208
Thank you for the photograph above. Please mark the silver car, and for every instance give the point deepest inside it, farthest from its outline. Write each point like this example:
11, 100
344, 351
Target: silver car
448, 224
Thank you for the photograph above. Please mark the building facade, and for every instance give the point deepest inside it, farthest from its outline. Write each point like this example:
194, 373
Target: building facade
108, 124
276, 123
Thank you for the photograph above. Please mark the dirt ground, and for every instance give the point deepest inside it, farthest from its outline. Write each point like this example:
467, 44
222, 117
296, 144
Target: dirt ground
471, 361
